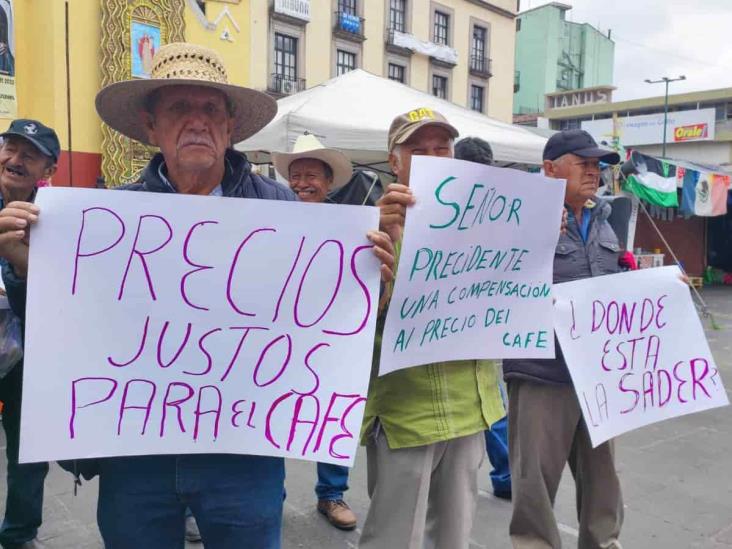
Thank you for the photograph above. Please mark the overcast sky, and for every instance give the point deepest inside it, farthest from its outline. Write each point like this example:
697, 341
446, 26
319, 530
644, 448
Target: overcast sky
655, 38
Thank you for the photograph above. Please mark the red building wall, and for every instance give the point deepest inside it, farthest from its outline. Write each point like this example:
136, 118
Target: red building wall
86, 168
687, 237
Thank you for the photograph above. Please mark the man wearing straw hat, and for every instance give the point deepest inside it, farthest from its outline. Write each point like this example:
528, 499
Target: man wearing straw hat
312, 171
190, 111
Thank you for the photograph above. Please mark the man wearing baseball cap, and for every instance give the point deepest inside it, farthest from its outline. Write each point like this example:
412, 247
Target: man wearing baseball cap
546, 429
423, 426
28, 155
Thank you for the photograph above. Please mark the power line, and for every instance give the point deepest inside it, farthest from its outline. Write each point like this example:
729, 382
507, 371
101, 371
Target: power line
669, 53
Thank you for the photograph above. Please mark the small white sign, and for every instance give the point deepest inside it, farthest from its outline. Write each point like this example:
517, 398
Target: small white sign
300, 9
636, 350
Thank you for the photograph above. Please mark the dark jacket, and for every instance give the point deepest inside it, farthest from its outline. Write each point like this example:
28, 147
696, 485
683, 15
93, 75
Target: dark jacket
238, 182
573, 260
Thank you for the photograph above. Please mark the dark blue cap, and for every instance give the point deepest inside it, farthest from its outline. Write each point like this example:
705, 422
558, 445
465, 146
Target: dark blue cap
43, 137
577, 142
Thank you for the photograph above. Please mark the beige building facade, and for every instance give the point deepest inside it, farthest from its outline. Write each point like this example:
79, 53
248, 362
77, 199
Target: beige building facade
460, 50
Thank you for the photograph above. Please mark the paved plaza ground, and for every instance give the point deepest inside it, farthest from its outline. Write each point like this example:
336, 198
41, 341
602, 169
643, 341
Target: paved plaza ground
676, 479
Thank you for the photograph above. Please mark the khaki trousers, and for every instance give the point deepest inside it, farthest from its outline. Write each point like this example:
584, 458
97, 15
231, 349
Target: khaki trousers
545, 431
423, 497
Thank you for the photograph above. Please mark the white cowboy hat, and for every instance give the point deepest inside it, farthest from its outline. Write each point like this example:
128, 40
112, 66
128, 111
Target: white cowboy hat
308, 146
179, 63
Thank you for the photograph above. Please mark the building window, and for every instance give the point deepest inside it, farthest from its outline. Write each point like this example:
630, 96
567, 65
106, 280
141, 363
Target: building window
442, 26
439, 86
518, 25
347, 6
398, 15
478, 49
396, 72
345, 62
722, 111
285, 61
572, 124
477, 98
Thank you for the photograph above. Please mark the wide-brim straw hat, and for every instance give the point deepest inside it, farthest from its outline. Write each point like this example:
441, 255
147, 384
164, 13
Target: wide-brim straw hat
308, 146
120, 104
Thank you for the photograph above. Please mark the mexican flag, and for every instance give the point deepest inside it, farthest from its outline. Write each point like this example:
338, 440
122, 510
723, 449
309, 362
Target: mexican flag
655, 182
703, 193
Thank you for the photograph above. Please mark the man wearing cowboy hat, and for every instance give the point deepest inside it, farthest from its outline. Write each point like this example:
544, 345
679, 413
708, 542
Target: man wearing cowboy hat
188, 110
312, 171
28, 155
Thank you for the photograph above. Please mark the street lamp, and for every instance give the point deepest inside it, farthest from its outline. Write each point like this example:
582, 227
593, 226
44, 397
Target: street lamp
666, 80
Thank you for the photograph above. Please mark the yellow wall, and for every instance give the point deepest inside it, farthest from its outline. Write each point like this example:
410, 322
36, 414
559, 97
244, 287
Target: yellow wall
318, 56
236, 52
259, 44
41, 62
41, 68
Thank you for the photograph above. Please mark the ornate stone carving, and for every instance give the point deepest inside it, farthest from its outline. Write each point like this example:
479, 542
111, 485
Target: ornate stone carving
121, 158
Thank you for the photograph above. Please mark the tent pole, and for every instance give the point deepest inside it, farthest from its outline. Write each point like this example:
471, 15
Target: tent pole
68, 93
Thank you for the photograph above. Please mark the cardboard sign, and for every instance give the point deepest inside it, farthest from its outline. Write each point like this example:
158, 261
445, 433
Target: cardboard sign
163, 323
475, 268
636, 350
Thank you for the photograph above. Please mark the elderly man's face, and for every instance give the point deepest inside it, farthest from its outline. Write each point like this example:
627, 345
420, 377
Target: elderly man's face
582, 175
427, 141
192, 127
309, 180
22, 165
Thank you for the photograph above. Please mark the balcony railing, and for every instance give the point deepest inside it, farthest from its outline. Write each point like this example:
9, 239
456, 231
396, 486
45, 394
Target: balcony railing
394, 44
349, 25
480, 65
284, 85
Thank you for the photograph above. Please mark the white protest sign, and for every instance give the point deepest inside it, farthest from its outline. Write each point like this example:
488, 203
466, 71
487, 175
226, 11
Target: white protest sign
163, 323
635, 349
475, 268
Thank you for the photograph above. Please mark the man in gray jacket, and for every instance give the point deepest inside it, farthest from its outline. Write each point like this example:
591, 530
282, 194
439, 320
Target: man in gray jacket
546, 429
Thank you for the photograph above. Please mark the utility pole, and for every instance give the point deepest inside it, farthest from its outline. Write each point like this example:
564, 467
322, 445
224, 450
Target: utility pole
666, 80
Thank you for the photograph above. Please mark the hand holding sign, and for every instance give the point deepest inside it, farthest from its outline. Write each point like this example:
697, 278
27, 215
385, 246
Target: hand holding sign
635, 350
393, 209
16, 219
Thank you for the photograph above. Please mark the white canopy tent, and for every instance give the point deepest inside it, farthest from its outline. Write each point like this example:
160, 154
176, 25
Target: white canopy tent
353, 112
